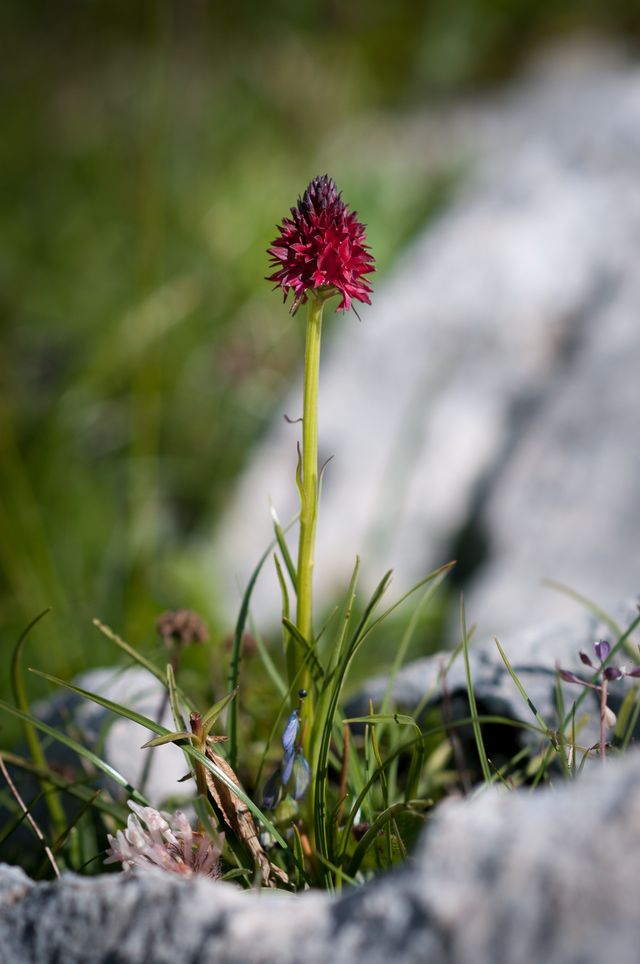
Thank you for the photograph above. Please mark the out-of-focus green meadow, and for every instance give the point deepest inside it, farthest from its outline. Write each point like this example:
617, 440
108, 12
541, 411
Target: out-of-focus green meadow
147, 151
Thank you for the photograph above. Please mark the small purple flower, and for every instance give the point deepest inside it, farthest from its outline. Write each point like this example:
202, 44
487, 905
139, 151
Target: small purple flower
605, 674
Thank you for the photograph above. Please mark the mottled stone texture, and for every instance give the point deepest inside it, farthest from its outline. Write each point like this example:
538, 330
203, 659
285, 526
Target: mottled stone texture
534, 654
503, 878
486, 409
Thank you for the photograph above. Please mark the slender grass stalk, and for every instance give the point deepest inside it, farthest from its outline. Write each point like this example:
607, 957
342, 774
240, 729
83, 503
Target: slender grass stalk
309, 489
52, 800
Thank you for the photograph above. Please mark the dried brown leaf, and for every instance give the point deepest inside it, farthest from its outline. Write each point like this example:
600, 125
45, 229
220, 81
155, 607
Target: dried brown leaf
238, 817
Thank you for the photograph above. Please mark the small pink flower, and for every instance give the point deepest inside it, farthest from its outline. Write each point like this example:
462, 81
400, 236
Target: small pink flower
322, 247
154, 839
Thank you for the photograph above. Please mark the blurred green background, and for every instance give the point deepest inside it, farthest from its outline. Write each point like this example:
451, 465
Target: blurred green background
147, 150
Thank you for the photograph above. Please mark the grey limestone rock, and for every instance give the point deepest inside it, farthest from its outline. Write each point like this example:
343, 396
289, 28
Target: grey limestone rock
534, 654
119, 740
492, 387
507, 877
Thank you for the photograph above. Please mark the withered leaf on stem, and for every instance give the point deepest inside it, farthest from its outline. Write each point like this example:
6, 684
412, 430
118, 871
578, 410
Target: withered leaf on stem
238, 817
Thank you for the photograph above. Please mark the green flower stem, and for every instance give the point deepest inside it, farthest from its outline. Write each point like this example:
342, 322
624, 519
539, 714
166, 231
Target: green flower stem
308, 485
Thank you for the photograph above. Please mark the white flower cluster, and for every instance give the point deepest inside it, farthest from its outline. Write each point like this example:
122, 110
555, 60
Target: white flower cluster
154, 839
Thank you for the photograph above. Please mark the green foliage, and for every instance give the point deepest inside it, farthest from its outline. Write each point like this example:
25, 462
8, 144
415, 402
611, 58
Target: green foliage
140, 172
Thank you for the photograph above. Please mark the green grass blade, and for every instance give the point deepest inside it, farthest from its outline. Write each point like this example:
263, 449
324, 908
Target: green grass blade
477, 731
236, 649
382, 821
52, 800
437, 574
210, 717
174, 699
130, 651
284, 548
271, 668
407, 636
523, 693
587, 603
77, 748
74, 789
337, 648
149, 724
310, 657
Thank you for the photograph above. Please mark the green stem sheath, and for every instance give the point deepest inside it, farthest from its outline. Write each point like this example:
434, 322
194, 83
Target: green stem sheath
308, 483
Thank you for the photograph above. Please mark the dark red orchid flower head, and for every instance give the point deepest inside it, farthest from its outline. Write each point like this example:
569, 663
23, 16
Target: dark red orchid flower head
322, 248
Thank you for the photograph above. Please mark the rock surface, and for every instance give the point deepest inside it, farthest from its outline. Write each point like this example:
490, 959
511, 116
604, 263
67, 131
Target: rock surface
534, 655
502, 877
491, 391
117, 740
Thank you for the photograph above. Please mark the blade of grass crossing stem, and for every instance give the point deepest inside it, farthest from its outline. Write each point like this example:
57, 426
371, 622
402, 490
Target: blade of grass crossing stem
405, 642
77, 748
477, 731
308, 651
52, 800
298, 851
633, 720
205, 814
436, 574
417, 751
561, 738
234, 665
29, 817
10, 803
284, 549
288, 646
421, 706
414, 806
336, 651
522, 691
210, 718
587, 603
267, 662
74, 789
174, 702
77, 817
384, 789
130, 651
149, 724
369, 778
325, 722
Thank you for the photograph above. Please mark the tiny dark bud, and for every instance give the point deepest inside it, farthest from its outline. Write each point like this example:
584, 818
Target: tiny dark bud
359, 830
302, 694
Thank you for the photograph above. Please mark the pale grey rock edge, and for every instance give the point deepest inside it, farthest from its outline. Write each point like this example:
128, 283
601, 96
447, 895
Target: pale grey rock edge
534, 653
494, 380
119, 741
504, 878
